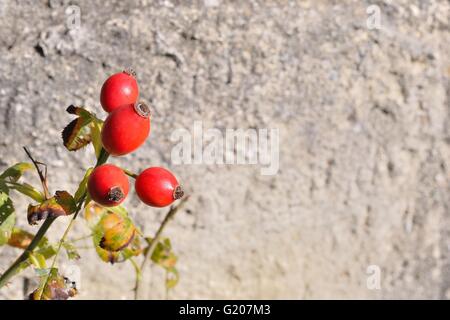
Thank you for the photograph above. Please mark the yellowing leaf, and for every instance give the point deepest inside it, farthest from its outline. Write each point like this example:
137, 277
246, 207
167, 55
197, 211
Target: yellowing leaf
7, 214
117, 232
78, 133
20, 238
71, 251
172, 277
93, 213
114, 235
83, 185
163, 255
28, 190
14, 173
54, 288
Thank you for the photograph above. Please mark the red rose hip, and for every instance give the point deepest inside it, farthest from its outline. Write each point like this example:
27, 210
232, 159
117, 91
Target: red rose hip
158, 187
108, 185
126, 128
118, 90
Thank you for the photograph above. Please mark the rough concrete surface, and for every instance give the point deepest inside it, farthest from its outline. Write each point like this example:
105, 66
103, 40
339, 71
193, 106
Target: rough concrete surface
364, 145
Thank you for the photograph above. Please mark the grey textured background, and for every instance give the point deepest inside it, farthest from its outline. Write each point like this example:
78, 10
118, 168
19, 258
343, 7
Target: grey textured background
364, 146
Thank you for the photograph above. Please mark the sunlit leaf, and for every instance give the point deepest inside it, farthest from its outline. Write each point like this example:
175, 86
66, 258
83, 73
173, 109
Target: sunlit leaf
62, 204
38, 260
172, 277
71, 251
78, 133
108, 256
96, 129
28, 190
66, 201
93, 213
7, 214
83, 185
16, 171
42, 272
134, 249
120, 210
20, 238
52, 286
45, 249
117, 232
114, 234
163, 255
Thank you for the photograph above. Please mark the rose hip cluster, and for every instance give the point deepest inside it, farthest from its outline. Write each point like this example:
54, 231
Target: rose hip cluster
125, 129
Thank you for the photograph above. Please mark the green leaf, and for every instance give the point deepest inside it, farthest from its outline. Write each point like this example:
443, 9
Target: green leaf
78, 133
120, 210
96, 130
71, 251
38, 260
14, 173
28, 190
134, 249
66, 201
172, 277
7, 214
45, 250
163, 255
93, 212
83, 185
42, 272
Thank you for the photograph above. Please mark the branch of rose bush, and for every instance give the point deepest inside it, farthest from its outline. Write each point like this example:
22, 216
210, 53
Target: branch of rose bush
103, 157
153, 243
16, 266
42, 176
60, 244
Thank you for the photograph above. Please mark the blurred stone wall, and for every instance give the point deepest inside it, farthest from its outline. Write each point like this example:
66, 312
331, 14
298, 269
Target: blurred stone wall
363, 116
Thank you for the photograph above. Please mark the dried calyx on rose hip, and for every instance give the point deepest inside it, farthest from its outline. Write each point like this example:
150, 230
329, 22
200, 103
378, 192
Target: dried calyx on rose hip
118, 90
108, 185
126, 129
158, 187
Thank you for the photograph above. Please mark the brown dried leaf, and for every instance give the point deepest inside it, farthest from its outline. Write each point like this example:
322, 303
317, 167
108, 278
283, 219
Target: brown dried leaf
62, 204
77, 133
20, 238
56, 288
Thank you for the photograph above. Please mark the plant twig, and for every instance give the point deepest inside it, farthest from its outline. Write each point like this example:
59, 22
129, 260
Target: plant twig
152, 245
129, 173
60, 244
42, 176
14, 268
103, 157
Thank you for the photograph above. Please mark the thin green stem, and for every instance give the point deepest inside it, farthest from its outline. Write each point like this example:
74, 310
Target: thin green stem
60, 244
138, 272
103, 157
153, 243
42, 177
81, 238
129, 173
15, 267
